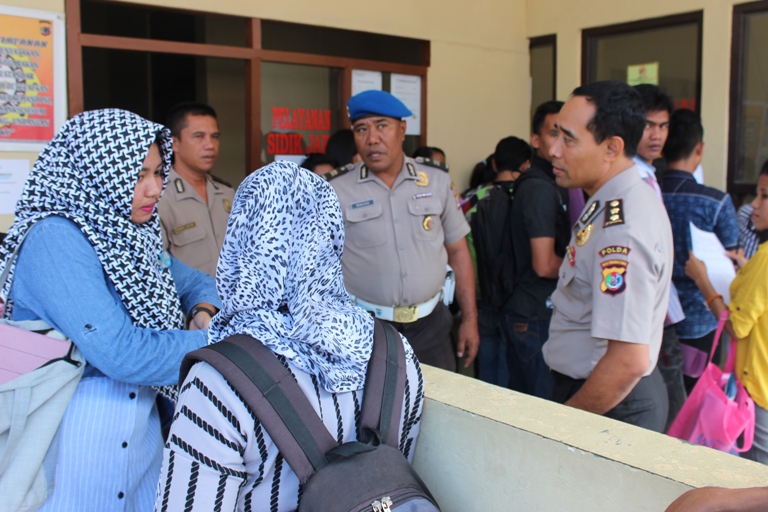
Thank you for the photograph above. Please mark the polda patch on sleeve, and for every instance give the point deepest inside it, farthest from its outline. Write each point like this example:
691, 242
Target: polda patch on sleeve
614, 250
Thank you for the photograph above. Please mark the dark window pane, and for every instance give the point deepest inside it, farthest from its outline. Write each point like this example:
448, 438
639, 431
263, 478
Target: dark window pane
542, 74
129, 20
753, 136
675, 49
149, 84
290, 37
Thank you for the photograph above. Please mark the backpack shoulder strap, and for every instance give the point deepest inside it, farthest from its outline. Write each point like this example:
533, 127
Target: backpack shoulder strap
384, 387
275, 398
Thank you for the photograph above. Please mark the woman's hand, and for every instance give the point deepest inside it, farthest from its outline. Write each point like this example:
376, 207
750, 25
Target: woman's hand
696, 269
738, 257
200, 321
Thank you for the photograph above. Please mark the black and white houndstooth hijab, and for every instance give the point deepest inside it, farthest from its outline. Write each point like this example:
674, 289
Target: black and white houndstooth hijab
280, 277
87, 174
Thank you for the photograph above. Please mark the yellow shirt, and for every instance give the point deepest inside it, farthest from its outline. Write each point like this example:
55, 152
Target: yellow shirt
748, 308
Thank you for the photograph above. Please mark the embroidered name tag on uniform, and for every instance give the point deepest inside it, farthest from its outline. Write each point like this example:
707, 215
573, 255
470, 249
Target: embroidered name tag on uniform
614, 277
614, 214
362, 204
618, 250
421, 196
179, 229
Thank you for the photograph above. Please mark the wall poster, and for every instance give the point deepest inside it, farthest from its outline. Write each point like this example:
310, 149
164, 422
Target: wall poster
33, 99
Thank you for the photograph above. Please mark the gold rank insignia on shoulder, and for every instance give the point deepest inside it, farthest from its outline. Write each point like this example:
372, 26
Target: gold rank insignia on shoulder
432, 163
588, 213
614, 213
423, 180
427, 223
339, 171
582, 236
188, 225
227, 205
179, 185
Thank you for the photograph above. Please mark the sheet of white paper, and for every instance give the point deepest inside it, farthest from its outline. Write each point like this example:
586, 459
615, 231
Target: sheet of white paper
365, 81
13, 175
698, 174
407, 88
707, 247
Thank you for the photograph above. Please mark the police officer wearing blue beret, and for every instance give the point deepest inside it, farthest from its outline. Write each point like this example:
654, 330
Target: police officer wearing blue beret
403, 226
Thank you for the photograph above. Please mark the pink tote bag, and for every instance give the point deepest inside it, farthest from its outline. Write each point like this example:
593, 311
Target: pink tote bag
709, 417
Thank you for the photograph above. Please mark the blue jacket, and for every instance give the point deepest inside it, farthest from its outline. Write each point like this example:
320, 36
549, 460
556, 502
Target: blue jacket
710, 210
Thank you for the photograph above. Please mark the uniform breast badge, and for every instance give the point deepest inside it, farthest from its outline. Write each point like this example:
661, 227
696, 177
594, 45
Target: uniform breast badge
423, 179
227, 205
427, 223
582, 236
570, 253
614, 276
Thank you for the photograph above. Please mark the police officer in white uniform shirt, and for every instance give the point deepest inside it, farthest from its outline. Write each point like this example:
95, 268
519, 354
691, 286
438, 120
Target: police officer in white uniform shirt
403, 224
195, 206
613, 287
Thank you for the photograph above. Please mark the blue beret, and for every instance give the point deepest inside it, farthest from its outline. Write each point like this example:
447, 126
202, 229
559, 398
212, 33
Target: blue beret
376, 103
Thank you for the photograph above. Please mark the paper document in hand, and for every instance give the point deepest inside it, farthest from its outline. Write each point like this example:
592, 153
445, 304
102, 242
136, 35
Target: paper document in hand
707, 247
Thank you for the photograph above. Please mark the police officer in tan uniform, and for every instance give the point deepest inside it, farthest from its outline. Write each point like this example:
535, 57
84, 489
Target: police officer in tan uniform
403, 224
195, 206
613, 288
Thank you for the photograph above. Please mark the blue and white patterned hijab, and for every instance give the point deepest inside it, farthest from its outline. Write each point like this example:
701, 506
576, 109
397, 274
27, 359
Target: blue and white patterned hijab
280, 278
87, 174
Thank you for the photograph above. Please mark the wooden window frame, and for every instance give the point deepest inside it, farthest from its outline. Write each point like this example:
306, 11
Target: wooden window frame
695, 17
252, 54
735, 122
550, 39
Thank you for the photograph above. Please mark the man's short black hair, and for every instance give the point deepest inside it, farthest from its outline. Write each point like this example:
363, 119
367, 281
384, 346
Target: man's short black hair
655, 99
618, 113
427, 152
315, 159
341, 146
541, 113
177, 116
511, 153
685, 132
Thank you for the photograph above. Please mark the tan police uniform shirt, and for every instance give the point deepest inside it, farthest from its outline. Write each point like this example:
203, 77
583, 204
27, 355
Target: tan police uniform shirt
193, 231
394, 254
614, 280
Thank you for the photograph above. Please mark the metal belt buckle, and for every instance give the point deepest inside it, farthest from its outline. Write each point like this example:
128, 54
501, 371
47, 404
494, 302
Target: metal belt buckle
405, 314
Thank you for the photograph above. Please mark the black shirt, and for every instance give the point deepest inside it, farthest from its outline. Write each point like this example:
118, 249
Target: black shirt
537, 211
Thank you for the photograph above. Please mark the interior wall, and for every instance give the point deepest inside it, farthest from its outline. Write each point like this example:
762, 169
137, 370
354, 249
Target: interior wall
567, 19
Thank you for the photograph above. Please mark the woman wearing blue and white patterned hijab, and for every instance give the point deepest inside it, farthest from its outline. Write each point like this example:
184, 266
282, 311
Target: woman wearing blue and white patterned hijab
90, 263
280, 280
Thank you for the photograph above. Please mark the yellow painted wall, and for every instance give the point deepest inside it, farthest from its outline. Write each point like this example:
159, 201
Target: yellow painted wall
567, 19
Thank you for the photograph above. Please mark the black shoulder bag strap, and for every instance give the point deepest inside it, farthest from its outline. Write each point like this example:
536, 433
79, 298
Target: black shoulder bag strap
384, 388
275, 398
278, 402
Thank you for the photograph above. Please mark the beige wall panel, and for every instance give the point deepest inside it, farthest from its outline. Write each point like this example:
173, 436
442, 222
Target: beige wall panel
476, 97
45, 5
567, 19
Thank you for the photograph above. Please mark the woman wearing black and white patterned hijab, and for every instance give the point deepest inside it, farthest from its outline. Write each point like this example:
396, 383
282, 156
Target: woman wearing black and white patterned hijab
280, 280
90, 263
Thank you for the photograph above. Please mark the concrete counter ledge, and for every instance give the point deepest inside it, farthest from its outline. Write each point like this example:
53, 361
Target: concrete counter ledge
484, 448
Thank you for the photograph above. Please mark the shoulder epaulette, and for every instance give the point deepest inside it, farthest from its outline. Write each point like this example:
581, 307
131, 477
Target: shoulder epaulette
432, 163
215, 179
339, 171
614, 213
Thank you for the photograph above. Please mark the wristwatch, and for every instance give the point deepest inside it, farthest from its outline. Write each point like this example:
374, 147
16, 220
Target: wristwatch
197, 309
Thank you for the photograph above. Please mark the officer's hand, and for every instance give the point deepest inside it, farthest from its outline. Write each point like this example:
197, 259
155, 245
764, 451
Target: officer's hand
696, 269
469, 341
200, 321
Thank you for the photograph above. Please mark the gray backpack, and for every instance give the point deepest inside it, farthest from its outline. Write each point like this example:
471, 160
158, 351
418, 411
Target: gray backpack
368, 475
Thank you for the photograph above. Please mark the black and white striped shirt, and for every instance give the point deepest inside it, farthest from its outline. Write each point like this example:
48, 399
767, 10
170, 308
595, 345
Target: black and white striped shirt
219, 458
